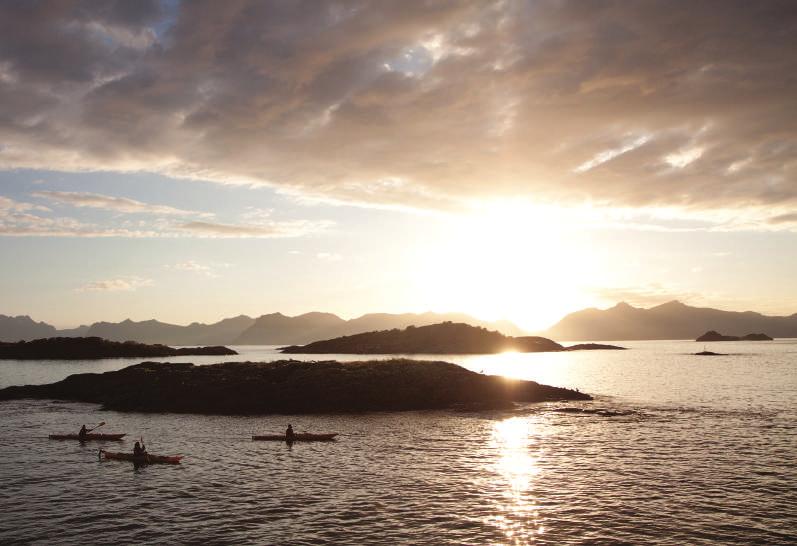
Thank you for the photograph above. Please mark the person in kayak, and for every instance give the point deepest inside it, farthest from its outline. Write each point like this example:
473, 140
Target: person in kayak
83, 433
139, 449
289, 433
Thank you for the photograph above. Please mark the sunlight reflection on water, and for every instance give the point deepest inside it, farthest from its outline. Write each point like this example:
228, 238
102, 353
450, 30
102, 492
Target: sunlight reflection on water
516, 464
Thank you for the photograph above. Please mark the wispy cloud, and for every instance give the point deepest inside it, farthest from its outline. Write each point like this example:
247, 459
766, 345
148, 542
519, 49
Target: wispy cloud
119, 284
607, 155
275, 229
682, 158
9, 205
329, 256
22, 219
116, 204
788, 218
192, 266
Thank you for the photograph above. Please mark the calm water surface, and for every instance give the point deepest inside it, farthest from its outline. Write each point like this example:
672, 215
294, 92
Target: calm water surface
703, 453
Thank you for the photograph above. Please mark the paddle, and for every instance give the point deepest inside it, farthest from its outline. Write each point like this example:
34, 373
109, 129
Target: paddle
95, 428
143, 453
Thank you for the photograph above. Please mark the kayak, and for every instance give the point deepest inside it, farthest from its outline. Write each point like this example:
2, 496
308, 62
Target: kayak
89, 436
142, 459
297, 437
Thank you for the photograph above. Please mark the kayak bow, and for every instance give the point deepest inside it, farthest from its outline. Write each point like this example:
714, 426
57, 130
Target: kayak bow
141, 459
89, 436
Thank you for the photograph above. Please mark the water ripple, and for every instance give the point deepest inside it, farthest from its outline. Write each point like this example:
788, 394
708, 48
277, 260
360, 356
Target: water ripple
678, 468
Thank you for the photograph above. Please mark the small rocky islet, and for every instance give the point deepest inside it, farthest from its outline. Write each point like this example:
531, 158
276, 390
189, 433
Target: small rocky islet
713, 335
88, 348
294, 387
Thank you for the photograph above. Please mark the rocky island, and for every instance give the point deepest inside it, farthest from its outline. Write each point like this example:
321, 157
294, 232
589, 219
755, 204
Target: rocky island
85, 348
594, 347
290, 386
445, 338
712, 335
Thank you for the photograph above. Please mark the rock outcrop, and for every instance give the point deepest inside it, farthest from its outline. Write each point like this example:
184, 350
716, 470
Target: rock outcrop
712, 335
84, 348
756, 337
594, 347
289, 386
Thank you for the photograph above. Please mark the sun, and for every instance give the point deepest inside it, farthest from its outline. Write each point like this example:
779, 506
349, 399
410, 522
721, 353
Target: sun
506, 260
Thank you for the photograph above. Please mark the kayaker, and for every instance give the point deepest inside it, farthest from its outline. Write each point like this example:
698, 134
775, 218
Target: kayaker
289, 433
83, 433
139, 449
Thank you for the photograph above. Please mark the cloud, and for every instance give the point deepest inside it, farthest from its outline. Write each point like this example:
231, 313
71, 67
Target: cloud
608, 155
329, 256
190, 265
116, 204
682, 158
789, 218
295, 228
29, 220
120, 284
21, 219
425, 105
8, 205
198, 268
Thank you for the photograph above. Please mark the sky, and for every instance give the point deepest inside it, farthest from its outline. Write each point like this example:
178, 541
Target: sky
190, 161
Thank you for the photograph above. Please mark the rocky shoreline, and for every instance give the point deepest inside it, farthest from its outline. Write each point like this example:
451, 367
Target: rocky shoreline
88, 348
290, 386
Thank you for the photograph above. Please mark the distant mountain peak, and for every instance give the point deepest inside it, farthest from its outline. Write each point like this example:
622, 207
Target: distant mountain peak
22, 327
272, 315
674, 304
671, 320
268, 329
25, 318
318, 314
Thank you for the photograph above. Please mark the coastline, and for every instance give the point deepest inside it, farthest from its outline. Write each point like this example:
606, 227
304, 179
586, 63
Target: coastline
291, 386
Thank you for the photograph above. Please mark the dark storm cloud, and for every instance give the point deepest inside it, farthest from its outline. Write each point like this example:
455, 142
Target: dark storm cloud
419, 104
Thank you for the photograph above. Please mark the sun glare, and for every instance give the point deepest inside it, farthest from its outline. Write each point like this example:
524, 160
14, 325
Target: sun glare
506, 260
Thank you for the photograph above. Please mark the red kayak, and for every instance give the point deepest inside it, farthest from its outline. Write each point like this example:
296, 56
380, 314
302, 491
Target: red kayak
89, 436
297, 437
142, 459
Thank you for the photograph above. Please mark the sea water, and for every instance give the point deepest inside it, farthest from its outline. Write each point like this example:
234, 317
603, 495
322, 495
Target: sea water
690, 450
